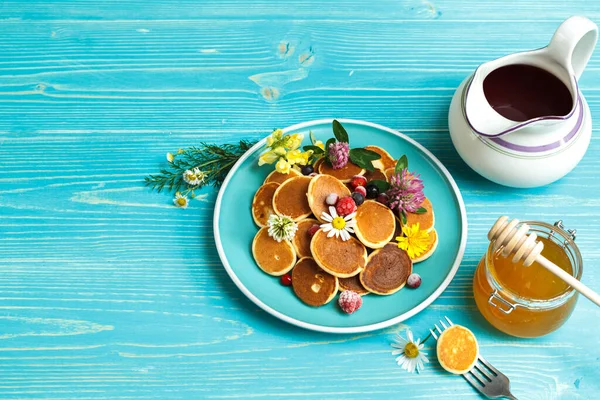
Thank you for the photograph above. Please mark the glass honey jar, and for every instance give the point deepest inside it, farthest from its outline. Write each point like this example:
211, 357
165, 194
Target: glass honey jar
529, 301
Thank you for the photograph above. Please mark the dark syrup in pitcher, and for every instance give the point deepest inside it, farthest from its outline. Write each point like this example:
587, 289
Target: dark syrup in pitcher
521, 92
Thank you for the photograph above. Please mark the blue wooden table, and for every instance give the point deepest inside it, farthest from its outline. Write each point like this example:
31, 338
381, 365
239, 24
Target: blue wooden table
109, 292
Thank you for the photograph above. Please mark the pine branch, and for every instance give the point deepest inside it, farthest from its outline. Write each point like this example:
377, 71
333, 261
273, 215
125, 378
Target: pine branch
214, 161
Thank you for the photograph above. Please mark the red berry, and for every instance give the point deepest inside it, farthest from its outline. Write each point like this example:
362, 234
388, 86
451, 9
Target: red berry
383, 199
358, 180
345, 206
413, 281
286, 280
313, 229
349, 301
361, 190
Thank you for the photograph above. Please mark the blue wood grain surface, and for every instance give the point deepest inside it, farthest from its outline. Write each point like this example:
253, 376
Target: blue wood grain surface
109, 292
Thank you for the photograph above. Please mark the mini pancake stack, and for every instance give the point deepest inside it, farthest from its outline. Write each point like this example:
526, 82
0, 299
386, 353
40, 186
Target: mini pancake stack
369, 262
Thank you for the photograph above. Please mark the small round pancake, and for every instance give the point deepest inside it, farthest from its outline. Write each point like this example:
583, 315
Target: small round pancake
375, 224
344, 174
375, 175
386, 161
311, 284
319, 188
389, 172
340, 258
290, 198
317, 163
431, 246
273, 257
262, 204
387, 270
353, 283
301, 240
426, 220
457, 349
278, 177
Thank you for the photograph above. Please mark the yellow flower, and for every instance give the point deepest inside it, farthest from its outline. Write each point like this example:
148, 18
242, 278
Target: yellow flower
280, 151
282, 166
414, 241
319, 144
268, 158
294, 141
270, 141
298, 157
277, 134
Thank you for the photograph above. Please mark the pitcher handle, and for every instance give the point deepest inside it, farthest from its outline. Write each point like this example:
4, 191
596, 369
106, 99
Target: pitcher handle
573, 43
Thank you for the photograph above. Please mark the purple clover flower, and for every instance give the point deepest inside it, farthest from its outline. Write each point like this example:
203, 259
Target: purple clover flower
405, 192
338, 154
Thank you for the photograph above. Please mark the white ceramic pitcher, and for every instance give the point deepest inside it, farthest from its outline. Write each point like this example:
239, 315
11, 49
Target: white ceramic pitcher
533, 147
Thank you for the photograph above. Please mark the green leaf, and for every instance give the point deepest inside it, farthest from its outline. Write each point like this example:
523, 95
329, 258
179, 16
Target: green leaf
312, 137
339, 132
365, 154
315, 149
421, 210
401, 164
383, 186
363, 158
403, 216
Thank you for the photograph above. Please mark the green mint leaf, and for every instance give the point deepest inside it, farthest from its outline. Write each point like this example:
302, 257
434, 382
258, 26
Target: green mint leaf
315, 149
362, 159
365, 154
421, 210
401, 164
403, 215
339, 132
383, 186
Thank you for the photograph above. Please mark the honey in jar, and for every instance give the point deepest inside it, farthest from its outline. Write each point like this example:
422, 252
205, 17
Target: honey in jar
528, 301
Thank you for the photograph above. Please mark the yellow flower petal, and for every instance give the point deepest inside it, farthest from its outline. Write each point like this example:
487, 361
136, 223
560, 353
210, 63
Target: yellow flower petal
280, 151
282, 166
268, 158
277, 134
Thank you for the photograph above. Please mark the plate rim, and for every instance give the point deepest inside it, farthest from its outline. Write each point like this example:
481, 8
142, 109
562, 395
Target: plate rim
354, 329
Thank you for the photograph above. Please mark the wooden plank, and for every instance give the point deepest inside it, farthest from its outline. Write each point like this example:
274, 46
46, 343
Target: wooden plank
108, 292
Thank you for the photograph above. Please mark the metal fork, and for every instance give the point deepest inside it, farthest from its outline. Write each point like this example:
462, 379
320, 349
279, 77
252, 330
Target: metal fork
483, 376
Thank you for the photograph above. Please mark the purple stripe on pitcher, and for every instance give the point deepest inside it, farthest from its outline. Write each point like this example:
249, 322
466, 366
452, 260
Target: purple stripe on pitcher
546, 147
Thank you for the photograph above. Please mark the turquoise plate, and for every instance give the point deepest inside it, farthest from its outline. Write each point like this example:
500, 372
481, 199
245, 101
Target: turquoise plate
234, 230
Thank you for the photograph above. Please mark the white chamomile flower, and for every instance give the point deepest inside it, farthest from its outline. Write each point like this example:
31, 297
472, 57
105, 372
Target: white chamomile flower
410, 354
180, 201
281, 227
338, 226
194, 177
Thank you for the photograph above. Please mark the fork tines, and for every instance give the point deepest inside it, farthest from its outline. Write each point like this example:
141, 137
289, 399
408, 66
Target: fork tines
437, 328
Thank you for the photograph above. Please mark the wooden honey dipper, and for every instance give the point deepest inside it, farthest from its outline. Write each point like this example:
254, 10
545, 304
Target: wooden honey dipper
527, 248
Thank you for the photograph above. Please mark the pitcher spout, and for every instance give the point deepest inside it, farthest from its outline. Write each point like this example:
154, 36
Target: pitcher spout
480, 115
533, 87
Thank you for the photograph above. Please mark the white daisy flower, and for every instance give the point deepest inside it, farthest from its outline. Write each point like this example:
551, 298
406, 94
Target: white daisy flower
180, 201
281, 227
194, 177
411, 357
338, 226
